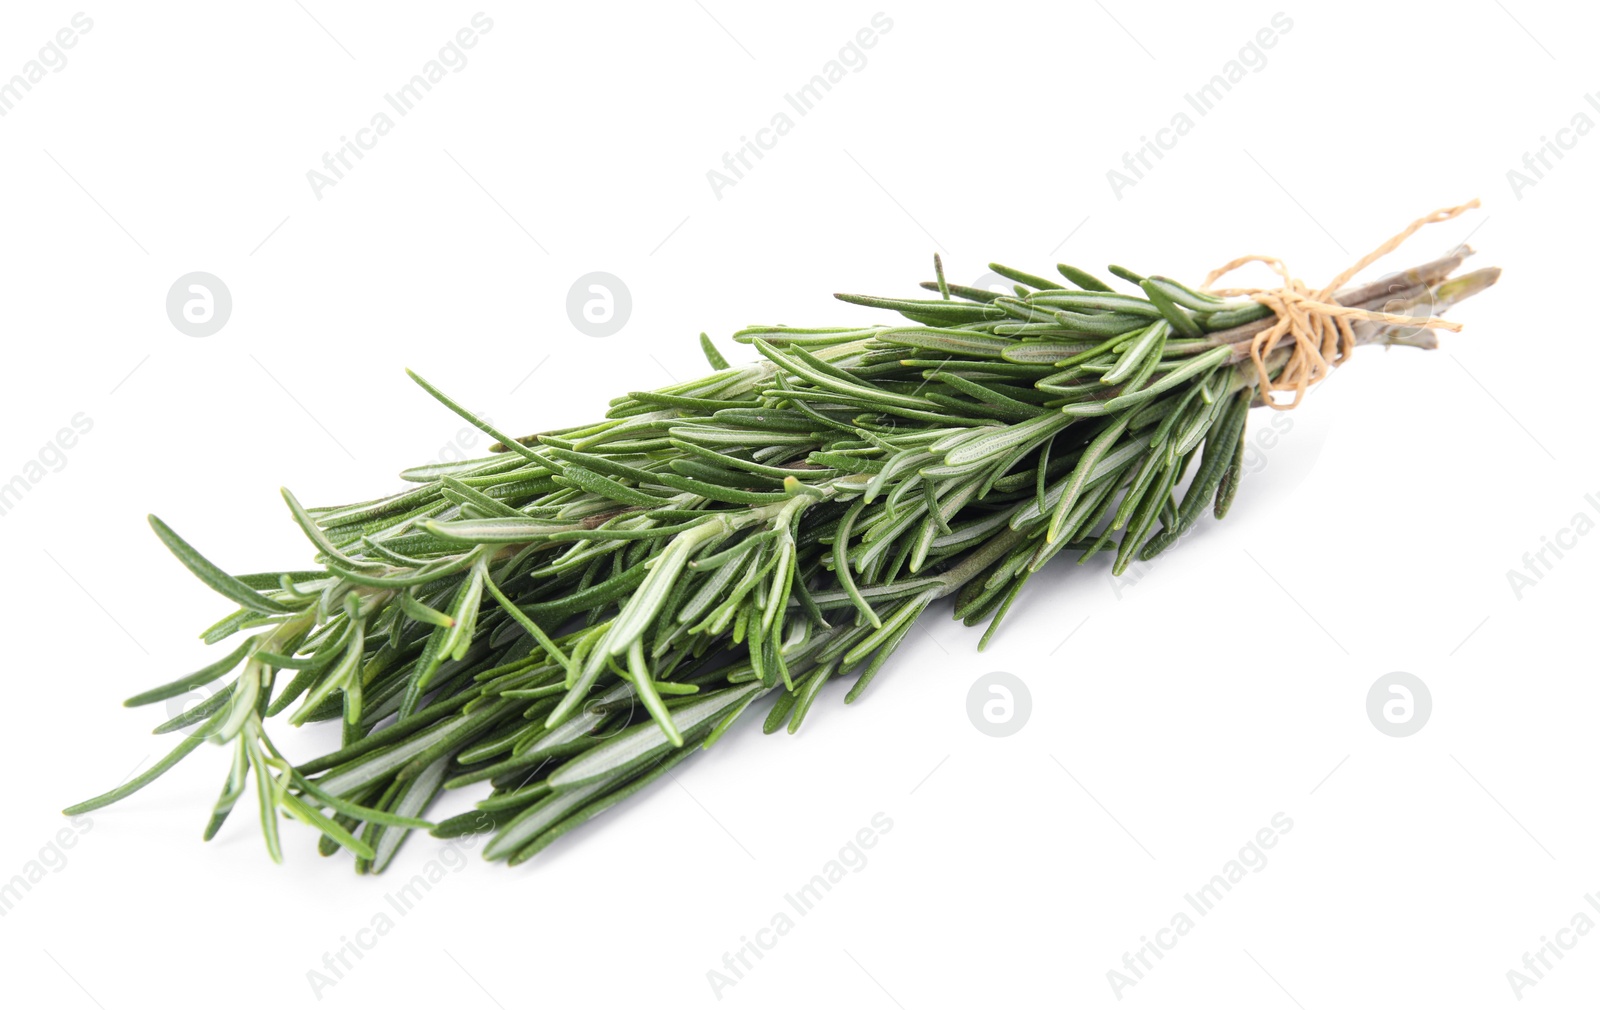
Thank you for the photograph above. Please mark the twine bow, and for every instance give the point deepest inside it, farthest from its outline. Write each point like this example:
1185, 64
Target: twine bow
1320, 327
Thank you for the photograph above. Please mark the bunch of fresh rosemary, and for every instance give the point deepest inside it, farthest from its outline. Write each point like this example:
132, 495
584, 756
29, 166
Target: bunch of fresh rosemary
569, 617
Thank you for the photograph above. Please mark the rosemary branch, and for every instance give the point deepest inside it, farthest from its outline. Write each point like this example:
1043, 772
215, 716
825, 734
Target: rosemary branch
573, 614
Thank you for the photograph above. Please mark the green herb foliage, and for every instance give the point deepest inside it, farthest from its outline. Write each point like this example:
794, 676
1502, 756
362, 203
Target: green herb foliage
570, 616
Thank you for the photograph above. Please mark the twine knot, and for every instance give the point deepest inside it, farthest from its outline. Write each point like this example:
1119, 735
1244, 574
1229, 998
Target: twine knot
1319, 326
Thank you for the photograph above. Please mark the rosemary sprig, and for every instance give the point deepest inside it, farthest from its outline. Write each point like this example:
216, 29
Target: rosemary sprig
570, 616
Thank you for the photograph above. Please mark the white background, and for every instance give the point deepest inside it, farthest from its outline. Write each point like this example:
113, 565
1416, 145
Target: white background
1226, 684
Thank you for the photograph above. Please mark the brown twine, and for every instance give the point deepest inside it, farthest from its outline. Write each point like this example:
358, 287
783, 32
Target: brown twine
1319, 326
